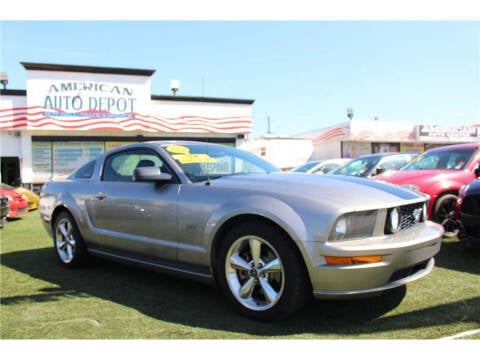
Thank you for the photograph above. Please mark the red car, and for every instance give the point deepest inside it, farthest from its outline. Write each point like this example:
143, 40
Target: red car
440, 173
17, 202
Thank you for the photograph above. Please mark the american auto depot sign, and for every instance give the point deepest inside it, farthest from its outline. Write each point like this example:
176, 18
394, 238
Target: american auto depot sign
75, 98
79, 100
448, 133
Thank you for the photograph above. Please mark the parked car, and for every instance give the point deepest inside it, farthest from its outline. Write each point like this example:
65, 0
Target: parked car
468, 212
32, 198
4, 209
268, 239
321, 166
375, 164
440, 173
16, 201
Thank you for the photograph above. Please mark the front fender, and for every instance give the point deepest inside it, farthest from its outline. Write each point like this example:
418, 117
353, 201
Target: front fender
262, 206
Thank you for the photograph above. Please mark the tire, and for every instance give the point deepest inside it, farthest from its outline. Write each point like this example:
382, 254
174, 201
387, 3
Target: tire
261, 273
68, 243
444, 213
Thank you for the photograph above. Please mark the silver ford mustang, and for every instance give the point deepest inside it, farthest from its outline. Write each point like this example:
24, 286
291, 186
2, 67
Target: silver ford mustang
268, 239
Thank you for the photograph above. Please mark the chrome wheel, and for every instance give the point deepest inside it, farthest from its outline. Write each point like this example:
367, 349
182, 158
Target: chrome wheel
254, 273
65, 241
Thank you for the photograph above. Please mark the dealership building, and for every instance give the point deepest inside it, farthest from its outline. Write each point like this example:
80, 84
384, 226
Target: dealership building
357, 137
69, 114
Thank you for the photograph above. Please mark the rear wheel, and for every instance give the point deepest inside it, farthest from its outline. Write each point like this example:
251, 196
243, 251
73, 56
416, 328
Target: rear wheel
444, 213
68, 242
261, 272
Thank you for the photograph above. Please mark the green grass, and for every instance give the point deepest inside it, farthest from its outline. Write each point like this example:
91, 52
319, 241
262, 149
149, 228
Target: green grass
42, 300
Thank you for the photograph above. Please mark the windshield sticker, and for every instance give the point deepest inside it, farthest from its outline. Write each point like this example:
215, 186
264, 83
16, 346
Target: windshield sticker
193, 158
182, 154
178, 149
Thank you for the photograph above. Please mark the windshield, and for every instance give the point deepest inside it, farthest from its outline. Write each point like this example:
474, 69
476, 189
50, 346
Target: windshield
358, 167
201, 161
307, 166
452, 159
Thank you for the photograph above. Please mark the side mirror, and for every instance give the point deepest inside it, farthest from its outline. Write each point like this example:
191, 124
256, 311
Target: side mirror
477, 171
379, 171
150, 174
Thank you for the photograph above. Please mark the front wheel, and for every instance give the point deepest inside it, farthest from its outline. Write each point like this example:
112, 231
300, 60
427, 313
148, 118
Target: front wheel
68, 242
444, 213
261, 273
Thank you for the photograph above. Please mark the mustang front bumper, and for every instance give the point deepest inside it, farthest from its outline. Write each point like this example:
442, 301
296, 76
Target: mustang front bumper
403, 258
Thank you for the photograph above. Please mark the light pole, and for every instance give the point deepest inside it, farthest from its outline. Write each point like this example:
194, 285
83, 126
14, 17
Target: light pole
4, 79
175, 86
350, 113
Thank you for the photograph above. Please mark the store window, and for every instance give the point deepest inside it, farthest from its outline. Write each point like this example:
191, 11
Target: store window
385, 147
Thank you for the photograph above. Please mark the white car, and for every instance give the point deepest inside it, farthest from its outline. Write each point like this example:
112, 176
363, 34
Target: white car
321, 166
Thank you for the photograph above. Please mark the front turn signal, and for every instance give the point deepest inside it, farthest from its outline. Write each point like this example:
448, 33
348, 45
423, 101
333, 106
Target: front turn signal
353, 260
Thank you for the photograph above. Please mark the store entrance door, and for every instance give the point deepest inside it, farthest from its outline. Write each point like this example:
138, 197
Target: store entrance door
10, 170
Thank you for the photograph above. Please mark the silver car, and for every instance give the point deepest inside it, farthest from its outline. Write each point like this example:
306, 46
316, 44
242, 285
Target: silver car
269, 240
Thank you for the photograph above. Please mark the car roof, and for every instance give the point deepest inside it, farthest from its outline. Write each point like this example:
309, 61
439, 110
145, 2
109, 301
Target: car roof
385, 154
460, 145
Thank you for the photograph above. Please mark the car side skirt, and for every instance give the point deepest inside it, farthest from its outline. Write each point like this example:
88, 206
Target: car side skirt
168, 268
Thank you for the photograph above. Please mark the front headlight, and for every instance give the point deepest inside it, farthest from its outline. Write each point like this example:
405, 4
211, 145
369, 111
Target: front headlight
353, 225
424, 212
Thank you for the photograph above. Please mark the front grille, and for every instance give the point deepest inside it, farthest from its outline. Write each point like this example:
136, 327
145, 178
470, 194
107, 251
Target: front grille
411, 215
407, 272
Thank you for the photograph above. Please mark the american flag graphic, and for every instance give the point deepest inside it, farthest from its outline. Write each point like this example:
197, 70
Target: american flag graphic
37, 117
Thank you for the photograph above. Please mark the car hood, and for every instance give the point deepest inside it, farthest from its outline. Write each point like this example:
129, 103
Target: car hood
425, 180
415, 176
336, 190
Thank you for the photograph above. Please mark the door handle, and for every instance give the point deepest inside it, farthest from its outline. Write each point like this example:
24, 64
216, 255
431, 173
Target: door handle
100, 195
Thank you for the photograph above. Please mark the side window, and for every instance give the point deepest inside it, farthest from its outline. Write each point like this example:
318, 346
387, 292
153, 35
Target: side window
86, 171
119, 167
326, 168
394, 163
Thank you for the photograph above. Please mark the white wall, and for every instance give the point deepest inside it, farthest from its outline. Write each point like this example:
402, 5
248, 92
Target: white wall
10, 143
284, 153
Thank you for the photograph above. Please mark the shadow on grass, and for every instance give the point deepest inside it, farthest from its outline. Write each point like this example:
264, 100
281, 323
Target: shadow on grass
455, 255
175, 300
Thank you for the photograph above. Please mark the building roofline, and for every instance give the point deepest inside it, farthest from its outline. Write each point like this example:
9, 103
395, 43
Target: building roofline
7, 92
202, 99
88, 69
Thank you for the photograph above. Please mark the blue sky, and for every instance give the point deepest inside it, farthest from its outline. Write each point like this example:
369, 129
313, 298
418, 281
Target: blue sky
303, 75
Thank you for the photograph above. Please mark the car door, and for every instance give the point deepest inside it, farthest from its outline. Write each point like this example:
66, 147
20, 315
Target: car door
135, 218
